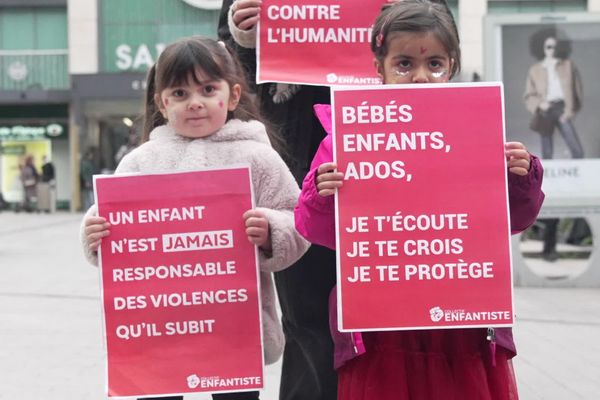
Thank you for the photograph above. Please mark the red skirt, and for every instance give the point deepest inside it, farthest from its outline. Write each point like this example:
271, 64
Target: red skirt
447, 364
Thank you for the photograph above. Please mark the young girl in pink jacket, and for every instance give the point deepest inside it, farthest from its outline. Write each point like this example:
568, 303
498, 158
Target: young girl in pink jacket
448, 364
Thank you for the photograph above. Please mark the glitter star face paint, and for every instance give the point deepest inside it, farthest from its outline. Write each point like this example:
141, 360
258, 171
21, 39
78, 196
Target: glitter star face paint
400, 72
198, 107
415, 57
439, 74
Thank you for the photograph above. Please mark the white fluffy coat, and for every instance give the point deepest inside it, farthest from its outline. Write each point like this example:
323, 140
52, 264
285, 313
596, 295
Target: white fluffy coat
275, 189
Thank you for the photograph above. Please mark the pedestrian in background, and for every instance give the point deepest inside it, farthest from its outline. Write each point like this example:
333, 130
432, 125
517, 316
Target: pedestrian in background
554, 91
3, 204
47, 187
553, 95
29, 178
87, 169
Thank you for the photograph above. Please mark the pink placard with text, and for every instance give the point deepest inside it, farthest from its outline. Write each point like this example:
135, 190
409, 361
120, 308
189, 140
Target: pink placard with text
179, 284
422, 217
324, 42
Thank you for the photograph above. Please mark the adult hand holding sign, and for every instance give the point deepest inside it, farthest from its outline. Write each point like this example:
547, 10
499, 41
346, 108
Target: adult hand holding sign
245, 13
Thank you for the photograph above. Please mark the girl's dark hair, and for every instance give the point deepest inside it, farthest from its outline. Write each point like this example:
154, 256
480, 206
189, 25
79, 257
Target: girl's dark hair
180, 60
563, 43
417, 16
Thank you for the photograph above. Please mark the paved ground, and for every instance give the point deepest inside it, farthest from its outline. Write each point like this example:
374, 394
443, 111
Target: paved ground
51, 340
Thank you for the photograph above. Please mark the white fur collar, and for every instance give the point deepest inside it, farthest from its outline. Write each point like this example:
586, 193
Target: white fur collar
233, 130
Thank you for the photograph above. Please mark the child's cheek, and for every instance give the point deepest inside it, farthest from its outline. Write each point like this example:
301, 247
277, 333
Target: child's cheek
172, 116
221, 104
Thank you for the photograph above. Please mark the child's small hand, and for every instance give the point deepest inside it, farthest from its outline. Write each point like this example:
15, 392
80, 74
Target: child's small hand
257, 229
328, 181
95, 229
246, 13
517, 158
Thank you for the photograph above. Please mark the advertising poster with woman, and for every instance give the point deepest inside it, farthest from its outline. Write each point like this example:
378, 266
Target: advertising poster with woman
549, 66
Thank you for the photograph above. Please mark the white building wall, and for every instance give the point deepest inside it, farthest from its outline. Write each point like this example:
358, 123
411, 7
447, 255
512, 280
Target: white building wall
83, 36
470, 17
594, 5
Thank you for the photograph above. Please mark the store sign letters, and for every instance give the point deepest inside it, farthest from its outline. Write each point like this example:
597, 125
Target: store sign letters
136, 58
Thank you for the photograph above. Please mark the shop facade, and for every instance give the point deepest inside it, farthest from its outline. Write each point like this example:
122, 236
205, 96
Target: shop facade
34, 93
82, 64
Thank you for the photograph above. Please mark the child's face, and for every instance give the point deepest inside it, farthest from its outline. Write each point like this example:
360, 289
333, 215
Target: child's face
414, 57
198, 110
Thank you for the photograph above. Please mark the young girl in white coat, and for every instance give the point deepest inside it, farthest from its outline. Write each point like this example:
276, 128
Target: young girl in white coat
199, 115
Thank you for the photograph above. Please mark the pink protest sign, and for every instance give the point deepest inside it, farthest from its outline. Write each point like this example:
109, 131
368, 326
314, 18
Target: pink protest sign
422, 218
325, 42
179, 284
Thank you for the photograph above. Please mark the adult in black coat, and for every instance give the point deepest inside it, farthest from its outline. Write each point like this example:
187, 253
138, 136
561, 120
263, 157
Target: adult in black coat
304, 288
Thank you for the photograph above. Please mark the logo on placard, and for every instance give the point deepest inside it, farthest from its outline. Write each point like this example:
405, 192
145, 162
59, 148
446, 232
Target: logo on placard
193, 381
436, 314
351, 79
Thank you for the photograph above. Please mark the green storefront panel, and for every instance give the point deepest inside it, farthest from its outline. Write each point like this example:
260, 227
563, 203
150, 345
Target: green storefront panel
33, 48
51, 29
33, 29
134, 32
17, 30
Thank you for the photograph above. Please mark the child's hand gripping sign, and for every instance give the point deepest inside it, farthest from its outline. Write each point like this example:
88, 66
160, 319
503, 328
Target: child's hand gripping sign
325, 42
179, 284
422, 217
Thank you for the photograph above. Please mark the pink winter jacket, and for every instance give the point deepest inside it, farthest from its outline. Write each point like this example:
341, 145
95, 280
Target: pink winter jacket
315, 220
